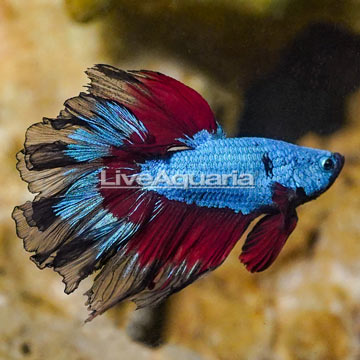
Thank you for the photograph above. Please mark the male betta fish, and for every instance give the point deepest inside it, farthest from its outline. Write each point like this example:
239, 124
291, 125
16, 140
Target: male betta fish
151, 241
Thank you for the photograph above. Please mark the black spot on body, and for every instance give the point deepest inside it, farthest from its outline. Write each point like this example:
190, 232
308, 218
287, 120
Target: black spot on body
268, 164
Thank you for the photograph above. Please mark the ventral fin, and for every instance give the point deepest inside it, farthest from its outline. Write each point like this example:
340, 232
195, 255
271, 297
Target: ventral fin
269, 235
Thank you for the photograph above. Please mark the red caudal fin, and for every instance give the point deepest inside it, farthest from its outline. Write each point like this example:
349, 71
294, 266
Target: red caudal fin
269, 235
168, 109
180, 244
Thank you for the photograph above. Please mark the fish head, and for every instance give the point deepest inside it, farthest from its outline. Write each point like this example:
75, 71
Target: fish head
315, 172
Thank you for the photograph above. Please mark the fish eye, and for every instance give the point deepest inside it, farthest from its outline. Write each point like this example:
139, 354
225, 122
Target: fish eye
327, 164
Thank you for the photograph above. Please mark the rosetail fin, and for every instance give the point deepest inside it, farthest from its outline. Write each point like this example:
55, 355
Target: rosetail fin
269, 235
180, 244
67, 225
75, 225
168, 109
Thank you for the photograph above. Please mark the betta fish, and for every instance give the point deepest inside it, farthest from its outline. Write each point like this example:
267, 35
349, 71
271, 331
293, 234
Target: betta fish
96, 209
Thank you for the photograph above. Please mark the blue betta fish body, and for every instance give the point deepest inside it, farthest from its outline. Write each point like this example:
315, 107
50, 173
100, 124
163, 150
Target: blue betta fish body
247, 168
137, 179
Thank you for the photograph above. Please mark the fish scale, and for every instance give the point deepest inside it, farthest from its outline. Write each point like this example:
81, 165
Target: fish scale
243, 155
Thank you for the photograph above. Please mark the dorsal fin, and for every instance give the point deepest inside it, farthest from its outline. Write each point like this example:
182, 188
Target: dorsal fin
168, 109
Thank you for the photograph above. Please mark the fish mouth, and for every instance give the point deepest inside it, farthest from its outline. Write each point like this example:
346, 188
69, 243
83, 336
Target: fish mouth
339, 164
340, 161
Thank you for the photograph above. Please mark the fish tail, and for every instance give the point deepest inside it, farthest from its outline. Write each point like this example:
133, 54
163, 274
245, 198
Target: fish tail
146, 245
69, 225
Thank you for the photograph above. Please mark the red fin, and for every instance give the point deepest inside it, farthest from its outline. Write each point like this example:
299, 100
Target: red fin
168, 109
269, 235
266, 240
283, 197
180, 244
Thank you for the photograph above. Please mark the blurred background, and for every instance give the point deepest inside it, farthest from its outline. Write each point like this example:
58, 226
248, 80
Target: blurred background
287, 69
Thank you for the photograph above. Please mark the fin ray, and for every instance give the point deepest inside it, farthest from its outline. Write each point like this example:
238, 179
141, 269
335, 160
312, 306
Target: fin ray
192, 242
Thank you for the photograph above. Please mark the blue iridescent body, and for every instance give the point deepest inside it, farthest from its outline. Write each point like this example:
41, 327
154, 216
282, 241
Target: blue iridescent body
266, 160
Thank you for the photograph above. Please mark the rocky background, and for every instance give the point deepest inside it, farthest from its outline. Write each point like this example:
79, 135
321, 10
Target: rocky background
280, 68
